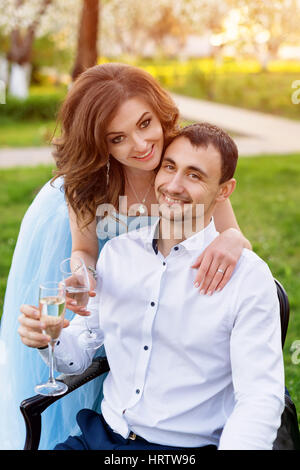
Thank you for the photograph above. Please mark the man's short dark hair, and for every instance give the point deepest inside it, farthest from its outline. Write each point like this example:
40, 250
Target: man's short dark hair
202, 134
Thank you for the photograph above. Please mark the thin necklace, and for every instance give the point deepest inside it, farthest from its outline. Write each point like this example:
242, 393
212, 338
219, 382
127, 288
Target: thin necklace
142, 208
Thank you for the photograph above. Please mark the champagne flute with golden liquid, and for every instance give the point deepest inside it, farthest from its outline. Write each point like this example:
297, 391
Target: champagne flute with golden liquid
52, 302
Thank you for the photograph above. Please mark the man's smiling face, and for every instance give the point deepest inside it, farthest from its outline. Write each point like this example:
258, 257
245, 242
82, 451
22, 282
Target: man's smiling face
188, 176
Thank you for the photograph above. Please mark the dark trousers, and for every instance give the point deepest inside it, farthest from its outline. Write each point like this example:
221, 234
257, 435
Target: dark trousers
97, 435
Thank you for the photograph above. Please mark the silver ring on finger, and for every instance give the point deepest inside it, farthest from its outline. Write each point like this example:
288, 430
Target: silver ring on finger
219, 270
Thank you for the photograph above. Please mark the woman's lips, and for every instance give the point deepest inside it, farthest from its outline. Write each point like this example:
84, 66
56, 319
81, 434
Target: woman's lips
147, 156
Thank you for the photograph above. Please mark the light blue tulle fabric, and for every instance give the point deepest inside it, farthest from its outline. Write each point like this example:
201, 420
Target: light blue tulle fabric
44, 241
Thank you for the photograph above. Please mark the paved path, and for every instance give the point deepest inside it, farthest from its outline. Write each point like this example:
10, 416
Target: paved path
256, 133
28, 156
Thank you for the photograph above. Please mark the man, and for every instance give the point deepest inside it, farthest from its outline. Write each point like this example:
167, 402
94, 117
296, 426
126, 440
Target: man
186, 371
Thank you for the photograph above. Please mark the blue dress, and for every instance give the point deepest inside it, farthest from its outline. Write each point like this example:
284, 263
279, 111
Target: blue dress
44, 241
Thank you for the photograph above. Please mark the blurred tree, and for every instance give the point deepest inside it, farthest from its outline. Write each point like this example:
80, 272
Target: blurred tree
161, 27
19, 54
87, 53
4, 44
263, 27
51, 61
207, 17
24, 20
4, 41
169, 26
126, 26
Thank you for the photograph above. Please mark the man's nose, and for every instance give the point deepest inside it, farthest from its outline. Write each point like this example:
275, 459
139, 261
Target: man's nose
175, 185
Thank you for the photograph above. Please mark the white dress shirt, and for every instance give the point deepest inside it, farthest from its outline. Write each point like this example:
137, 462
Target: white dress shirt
185, 369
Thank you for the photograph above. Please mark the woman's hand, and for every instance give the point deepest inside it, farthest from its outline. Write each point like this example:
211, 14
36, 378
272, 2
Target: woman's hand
217, 262
72, 304
31, 327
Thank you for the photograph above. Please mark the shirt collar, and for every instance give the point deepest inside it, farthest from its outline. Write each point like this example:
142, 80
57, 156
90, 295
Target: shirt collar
197, 242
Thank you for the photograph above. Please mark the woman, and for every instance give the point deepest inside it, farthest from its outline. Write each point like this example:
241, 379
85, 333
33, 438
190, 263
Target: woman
115, 121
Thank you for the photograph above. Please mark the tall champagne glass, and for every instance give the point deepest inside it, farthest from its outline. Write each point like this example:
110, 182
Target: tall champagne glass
77, 283
52, 301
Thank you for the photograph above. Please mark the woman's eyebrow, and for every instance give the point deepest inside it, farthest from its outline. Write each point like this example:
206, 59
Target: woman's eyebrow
142, 116
140, 119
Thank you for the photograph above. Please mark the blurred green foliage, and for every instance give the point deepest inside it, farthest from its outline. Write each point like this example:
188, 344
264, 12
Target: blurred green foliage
241, 84
238, 83
46, 53
43, 107
31, 122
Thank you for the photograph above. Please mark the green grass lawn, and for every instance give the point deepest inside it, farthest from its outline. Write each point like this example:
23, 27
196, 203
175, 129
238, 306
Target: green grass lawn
26, 134
266, 203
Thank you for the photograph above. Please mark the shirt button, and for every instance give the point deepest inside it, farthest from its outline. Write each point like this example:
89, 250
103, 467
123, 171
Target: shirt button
146, 347
71, 363
152, 304
176, 248
137, 391
164, 263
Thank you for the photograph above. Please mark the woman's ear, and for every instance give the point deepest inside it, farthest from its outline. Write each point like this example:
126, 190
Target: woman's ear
226, 189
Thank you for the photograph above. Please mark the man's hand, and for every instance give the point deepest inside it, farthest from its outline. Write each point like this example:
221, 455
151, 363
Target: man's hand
31, 327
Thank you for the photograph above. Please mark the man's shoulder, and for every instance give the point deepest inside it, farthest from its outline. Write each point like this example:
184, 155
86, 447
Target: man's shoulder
250, 265
249, 259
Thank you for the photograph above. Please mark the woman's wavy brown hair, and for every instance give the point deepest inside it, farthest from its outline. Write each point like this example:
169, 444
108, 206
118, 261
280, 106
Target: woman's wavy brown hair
81, 152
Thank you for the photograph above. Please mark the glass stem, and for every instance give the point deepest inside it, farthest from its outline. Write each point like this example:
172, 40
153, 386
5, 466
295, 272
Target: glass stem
51, 346
87, 326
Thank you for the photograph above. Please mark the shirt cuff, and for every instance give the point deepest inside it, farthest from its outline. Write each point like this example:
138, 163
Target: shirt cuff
64, 361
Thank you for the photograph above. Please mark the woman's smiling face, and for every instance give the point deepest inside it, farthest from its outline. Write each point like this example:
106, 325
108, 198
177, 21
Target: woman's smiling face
135, 135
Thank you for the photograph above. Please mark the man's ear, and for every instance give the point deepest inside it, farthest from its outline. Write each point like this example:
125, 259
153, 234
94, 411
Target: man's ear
226, 189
